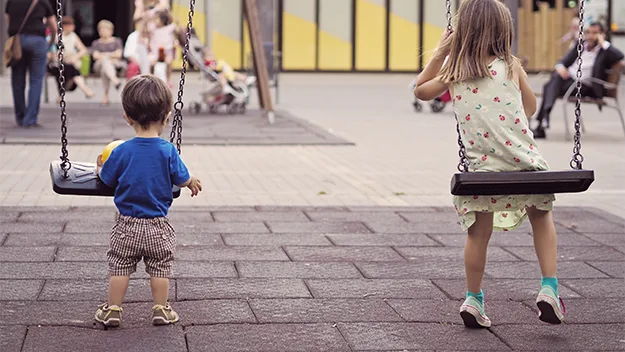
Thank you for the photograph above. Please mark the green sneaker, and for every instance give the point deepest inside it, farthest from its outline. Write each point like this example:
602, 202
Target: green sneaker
473, 315
551, 307
110, 316
164, 315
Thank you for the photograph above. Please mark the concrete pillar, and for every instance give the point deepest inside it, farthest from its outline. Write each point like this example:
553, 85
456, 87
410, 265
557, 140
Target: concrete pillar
514, 10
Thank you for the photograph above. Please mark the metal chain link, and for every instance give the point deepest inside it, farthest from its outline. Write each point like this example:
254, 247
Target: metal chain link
65, 163
578, 159
463, 165
176, 128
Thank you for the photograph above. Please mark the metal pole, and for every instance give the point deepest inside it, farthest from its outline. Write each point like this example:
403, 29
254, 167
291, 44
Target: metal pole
207, 27
513, 5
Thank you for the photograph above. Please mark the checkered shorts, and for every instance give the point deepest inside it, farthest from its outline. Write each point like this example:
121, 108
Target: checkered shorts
133, 239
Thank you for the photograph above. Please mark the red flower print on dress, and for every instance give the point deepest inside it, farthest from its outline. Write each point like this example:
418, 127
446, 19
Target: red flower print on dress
505, 215
517, 121
493, 200
484, 158
496, 100
472, 142
476, 197
524, 131
502, 118
486, 135
493, 72
508, 206
475, 90
464, 131
532, 161
464, 211
468, 118
531, 147
458, 97
508, 143
517, 160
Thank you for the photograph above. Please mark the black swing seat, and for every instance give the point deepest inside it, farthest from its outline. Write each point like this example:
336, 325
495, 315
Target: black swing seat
83, 180
521, 182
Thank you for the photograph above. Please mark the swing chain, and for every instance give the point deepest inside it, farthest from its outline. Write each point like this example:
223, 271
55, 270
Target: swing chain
176, 129
65, 163
576, 161
449, 26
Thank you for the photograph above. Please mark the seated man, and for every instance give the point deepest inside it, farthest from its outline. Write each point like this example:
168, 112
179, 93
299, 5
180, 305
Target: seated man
597, 58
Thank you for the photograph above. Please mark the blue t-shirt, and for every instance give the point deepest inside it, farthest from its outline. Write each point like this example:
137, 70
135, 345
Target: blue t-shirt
143, 172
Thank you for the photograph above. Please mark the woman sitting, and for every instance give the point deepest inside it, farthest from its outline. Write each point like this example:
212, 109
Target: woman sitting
107, 56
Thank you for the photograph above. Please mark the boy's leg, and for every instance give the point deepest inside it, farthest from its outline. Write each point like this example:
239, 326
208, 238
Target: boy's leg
117, 290
160, 290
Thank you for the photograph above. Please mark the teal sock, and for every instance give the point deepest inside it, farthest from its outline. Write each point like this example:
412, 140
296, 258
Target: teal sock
551, 282
479, 296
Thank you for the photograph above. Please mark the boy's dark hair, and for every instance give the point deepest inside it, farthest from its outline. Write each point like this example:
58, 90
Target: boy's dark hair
146, 99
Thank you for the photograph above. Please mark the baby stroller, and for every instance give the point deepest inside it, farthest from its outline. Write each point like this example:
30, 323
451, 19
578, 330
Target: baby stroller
235, 98
437, 105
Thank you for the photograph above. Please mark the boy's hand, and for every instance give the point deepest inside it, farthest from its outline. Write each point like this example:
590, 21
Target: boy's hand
195, 186
98, 163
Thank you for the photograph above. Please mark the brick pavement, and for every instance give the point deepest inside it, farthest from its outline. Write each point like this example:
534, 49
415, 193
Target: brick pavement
335, 278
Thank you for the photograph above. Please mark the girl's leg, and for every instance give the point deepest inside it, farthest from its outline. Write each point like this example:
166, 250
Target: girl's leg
475, 250
106, 82
545, 240
80, 82
108, 70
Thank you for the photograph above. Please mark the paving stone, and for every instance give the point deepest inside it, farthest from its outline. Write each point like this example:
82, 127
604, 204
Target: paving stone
527, 270
574, 239
199, 227
446, 311
96, 290
317, 227
424, 217
57, 239
12, 338
349, 254
450, 226
231, 227
498, 239
231, 253
433, 254
26, 254
86, 226
82, 254
366, 288
563, 214
413, 270
184, 269
321, 310
220, 311
14, 290
102, 215
8, 216
567, 337
265, 338
63, 339
614, 269
620, 248
279, 216
53, 270
501, 289
365, 216
400, 208
26, 227
595, 226
240, 288
590, 311
178, 218
198, 239
597, 288
3, 237
208, 209
381, 240
300, 270
398, 336
569, 253
276, 239
79, 313
610, 239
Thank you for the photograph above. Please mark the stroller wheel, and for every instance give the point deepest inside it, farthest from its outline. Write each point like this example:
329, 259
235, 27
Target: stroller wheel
213, 109
232, 109
194, 108
242, 108
417, 106
437, 105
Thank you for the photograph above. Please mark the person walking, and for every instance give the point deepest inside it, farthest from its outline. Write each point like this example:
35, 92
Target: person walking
26, 20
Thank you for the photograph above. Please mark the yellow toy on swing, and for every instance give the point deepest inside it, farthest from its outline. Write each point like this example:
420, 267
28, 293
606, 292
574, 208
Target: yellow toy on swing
109, 148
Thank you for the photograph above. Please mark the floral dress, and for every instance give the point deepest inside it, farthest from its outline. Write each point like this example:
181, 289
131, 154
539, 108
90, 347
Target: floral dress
495, 132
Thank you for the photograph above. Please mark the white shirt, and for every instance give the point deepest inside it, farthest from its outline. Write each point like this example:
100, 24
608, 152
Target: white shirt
588, 61
130, 49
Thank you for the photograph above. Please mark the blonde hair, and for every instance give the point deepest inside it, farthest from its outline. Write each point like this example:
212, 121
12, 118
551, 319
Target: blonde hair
484, 28
106, 24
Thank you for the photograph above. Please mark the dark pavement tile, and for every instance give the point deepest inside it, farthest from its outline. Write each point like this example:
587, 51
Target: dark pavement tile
300, 270
339, 254
567, 337
79, 313
610, 239
96, 290
398, 208
574, 239
221, 253
528, 270
3, 237
53, 270
194, 289
424, 217
366, 288
594, 226
382, 240
266, 338
198, 239
398, 336
569, 253
364, 216
279, 216
14, 290
102, 214
446, 311
178, 218
26, 227
502, 289
597, 288
322, 310
86, 226
82, 254
498, 239
220, 311
620, 248
317, 227
581, 214
12, 338
57, 239
63, 339
413, 270
8, 216
276, 239
327, 208
450, 226
614, 269
203, 210
434, 254
229, 227
185, 270
591, 311
26, 254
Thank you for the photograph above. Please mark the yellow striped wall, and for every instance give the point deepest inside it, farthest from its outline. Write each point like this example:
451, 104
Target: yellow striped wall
299, 35
370, 35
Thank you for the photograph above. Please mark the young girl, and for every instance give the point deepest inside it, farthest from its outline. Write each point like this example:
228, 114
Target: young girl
492, 100
143, 170
163, 39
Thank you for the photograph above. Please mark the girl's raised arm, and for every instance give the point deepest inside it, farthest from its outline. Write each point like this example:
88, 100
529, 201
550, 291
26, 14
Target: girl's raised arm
428, 87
